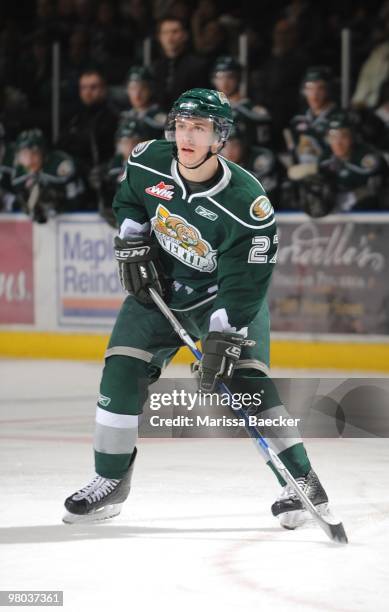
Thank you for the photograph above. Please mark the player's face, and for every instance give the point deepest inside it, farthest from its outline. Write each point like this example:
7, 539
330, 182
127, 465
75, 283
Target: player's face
316, 94
138, 94
31, 159
227, 82
194, 136
340, 142
233, 150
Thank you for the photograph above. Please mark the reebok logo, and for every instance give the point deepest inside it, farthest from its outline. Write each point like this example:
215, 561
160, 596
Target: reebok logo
104, 400
204, 212
163, 191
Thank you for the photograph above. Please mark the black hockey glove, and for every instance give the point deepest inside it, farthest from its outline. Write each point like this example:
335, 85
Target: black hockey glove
221, 352
139, 267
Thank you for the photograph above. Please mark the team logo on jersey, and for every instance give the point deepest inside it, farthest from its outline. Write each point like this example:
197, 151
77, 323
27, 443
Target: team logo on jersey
204, 212
261, 209
161, 191
122, 177
183, 241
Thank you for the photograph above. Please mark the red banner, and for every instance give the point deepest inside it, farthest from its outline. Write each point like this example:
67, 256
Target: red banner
16, 272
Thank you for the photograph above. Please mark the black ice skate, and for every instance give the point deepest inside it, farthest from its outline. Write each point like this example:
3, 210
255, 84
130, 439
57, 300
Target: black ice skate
101, 499
289, 508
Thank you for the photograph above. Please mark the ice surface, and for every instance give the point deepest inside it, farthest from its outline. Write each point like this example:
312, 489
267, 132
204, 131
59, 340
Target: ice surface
196, 532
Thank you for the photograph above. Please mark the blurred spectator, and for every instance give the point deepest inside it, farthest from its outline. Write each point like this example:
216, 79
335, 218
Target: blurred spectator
36, 78
75, 63
382, 112
135, 16
13, 108
208, 33
84, 13
252, 119
7, 151
181, 9
89, 136
129, 133
306, 139
307, 17
279, 75
373, 73
64, 19
10, 45
45, 181
111, 44
140, 90
45, 16
178, 69
260, 161
352, 177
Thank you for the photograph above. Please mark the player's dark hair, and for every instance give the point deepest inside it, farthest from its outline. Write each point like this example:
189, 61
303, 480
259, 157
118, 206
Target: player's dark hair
162, 20
91, 70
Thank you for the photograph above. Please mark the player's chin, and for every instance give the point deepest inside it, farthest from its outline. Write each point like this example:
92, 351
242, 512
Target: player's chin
188, 157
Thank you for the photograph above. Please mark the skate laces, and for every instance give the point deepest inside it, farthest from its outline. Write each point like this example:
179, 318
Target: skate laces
288, 491
96, 489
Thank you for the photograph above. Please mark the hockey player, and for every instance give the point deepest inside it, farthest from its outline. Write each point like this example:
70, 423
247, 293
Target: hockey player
200, 231
356, 171
46, 182
252, 119
129, 133
7, 152
306, 138
260, 161
143, 108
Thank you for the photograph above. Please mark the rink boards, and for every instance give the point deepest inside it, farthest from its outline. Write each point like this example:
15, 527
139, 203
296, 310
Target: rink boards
59, 290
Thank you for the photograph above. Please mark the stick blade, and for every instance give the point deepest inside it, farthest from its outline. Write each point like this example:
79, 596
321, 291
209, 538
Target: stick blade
334, 529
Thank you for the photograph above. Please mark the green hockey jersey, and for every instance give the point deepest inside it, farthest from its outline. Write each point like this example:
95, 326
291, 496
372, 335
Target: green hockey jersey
216, 246
253, 120
153, 120
357, 181
309, 135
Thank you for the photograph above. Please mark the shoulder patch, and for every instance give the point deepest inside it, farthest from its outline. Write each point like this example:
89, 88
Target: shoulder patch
369, 161
263, 163
260, 110
160, 118
261, 209
140, 148
65, 168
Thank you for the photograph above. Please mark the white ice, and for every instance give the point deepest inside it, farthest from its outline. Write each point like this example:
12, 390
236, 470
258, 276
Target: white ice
196, 532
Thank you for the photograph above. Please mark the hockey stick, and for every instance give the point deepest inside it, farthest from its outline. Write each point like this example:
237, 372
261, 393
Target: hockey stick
332, 527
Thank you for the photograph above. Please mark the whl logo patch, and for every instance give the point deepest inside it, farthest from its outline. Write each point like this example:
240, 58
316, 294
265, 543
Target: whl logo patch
104, 400
162, 191
204, 212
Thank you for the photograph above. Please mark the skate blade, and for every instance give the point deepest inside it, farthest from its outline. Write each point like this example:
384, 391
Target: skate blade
93, 517
297, 518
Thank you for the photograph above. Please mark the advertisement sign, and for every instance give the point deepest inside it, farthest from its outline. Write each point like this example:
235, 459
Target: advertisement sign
16, 272
331, 277
89, 290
